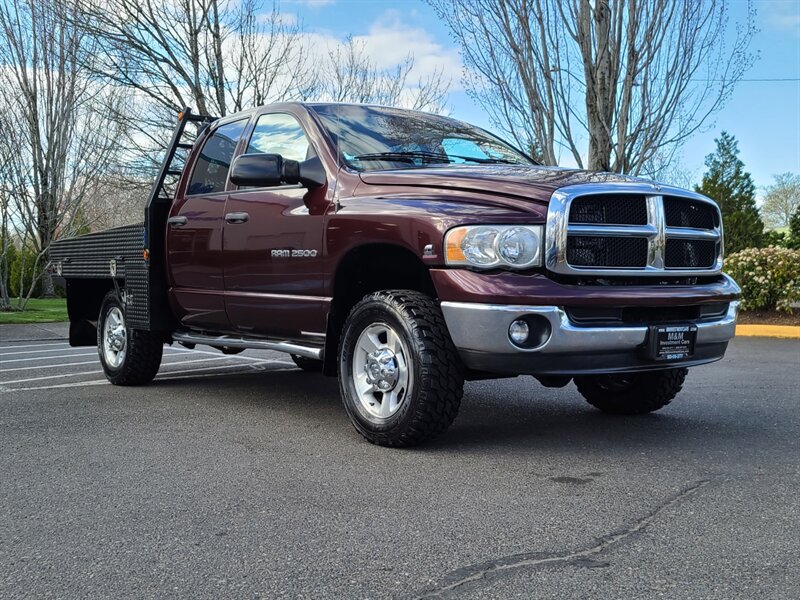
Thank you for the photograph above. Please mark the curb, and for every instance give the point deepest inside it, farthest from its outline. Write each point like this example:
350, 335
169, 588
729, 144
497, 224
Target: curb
773, 331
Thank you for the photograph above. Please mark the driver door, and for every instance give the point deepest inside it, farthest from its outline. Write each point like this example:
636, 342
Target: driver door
273, 250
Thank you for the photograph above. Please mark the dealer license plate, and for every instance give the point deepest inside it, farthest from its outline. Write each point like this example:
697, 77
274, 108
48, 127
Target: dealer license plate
672, 342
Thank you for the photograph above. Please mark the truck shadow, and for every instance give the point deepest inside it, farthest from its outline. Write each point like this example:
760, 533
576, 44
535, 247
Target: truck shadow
515, 415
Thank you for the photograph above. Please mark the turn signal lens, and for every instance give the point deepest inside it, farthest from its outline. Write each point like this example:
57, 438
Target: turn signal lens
453, 249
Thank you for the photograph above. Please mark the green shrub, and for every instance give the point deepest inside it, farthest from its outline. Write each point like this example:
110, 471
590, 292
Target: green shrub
775, 238
769, 277
10, 257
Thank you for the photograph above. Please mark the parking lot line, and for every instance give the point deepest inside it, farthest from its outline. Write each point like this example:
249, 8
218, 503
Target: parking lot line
181, 362
15, 360
245, 368
61, 349
49, 377
293, 368
65, 345
249, 359
56, 386
58, 350
77, 364
172, 349
78, 374
62, 364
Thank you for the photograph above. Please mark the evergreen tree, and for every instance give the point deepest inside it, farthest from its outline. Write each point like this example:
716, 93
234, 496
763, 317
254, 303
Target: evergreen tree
794, 230
729, 185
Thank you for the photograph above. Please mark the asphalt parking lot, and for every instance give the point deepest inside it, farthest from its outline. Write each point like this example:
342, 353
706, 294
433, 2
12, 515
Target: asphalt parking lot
240, 477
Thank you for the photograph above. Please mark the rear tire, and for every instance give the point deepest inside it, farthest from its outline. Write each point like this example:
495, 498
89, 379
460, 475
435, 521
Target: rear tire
400, 376
631, 394
310, 365
129, 356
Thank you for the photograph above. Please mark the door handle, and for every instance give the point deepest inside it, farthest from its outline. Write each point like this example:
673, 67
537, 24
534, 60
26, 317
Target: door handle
178, 221
237, 217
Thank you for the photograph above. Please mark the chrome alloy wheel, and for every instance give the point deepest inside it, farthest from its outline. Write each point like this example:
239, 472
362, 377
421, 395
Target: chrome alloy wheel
115, 338
381, 372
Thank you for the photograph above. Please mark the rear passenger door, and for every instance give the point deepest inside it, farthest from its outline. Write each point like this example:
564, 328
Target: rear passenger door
273, 243
194, 233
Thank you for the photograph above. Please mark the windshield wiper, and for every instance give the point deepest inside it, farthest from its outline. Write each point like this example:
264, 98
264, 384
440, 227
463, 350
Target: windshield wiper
409, 155
485, 161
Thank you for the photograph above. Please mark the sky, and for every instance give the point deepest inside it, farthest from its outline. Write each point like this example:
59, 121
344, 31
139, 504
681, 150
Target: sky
763, 115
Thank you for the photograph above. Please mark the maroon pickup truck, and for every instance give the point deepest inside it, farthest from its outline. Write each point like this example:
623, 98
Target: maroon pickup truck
404, 252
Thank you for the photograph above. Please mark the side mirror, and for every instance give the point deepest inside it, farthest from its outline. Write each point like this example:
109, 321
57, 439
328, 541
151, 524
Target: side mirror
259, 170
267, 170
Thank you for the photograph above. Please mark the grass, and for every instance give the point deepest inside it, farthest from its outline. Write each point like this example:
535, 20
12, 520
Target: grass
50, 310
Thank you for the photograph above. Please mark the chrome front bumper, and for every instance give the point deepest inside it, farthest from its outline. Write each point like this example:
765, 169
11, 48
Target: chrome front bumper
480, 332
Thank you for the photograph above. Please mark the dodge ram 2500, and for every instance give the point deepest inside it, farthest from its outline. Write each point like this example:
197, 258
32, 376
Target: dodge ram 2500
404, 253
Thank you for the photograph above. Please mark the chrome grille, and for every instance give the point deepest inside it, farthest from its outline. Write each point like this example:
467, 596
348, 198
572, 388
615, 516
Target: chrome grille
697, 254
684, 212
632, 228
587, 250
611, 210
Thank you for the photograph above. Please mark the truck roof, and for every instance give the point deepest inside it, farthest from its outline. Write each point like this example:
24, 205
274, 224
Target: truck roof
312, 105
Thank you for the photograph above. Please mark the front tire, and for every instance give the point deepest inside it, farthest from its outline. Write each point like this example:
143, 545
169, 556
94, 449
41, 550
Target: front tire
633, 393
129, 356
400, 377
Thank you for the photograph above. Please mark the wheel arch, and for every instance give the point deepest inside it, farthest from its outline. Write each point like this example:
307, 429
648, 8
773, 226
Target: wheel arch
365, 269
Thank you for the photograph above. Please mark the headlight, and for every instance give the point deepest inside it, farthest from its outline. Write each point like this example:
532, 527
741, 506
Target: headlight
490, 246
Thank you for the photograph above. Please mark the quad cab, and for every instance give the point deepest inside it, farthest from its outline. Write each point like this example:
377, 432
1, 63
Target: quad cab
404, 253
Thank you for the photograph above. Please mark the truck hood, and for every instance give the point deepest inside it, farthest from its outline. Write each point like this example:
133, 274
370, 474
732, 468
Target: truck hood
534, 183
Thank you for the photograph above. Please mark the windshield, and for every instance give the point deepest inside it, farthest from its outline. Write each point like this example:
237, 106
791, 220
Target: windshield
372, 138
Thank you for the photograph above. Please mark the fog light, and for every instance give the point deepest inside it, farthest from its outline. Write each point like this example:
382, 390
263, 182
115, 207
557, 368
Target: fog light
518, 332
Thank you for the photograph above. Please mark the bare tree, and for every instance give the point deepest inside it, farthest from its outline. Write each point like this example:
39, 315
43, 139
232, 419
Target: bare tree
781, 200
218, 56
57, 143
115, 200
222, 56
350, 75
630, 79
5, 230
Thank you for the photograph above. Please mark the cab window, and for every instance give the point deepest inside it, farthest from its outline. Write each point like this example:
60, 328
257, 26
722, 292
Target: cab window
211, 169
280, 133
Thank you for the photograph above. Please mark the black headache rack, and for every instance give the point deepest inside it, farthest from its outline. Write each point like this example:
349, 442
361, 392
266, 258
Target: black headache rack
133, 256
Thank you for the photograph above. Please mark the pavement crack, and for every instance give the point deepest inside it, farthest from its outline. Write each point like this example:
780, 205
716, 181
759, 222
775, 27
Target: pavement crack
465, 575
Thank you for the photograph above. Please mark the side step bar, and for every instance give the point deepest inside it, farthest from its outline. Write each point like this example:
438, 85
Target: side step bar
228, 341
